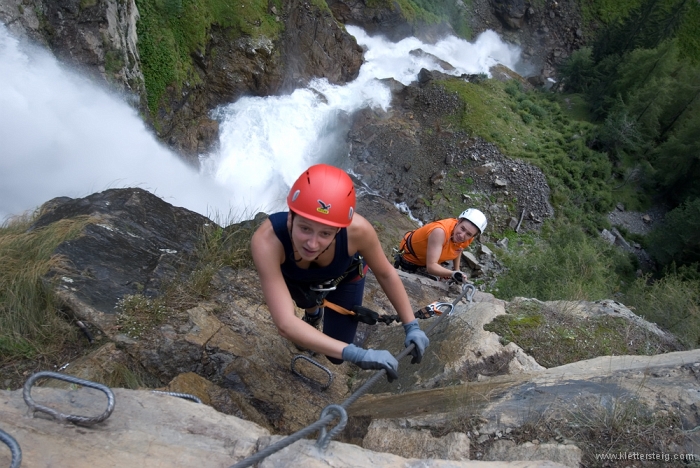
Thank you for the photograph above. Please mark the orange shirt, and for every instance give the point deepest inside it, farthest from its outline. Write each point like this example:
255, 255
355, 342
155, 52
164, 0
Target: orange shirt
419, 242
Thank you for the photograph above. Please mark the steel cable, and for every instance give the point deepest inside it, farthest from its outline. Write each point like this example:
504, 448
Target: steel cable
324, 420
185, 396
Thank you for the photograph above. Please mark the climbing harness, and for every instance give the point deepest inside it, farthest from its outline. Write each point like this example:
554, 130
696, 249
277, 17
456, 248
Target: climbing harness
185, 396
315, 363
320, 291
370, 317
75, 419
468, 291
15, 450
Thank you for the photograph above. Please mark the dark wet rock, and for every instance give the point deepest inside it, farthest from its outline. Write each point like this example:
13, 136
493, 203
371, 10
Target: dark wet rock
511, 12
133, 243
386, 19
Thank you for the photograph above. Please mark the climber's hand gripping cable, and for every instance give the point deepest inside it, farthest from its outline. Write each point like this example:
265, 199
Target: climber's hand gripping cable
372, 359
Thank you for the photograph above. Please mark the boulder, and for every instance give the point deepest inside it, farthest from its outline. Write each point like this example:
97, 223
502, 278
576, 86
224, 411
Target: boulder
132, 243
397, 437
461, 350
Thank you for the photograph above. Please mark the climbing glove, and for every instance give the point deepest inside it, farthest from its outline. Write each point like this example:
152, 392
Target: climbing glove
416, 336
458, 276
372, 359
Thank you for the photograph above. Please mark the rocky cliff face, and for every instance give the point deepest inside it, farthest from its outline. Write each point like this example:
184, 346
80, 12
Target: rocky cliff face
99, 37
460, 403
408, 157
313, 45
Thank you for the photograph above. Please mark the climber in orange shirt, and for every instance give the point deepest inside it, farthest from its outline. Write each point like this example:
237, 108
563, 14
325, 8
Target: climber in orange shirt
440, 241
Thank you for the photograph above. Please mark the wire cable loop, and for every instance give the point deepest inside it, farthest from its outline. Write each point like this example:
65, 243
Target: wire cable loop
325, 439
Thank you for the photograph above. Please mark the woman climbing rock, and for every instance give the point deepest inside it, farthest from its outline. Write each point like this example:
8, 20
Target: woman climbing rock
318, 253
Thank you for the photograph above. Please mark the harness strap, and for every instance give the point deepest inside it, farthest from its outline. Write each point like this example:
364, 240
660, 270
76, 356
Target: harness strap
359, 313
370, 317
407, 243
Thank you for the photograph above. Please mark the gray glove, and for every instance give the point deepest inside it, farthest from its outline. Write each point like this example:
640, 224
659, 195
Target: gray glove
458, 276
372, 359
416, 336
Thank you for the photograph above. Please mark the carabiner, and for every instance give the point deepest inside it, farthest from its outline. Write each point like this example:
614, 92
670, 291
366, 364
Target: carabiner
320, 288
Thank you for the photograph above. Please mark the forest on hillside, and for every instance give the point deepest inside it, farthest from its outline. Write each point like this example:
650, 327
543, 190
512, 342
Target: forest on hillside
633, 137
639, 80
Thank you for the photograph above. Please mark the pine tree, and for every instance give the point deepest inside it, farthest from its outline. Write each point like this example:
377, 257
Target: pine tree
678, 238
646, 27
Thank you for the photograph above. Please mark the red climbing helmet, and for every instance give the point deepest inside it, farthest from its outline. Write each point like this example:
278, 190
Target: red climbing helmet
325, 194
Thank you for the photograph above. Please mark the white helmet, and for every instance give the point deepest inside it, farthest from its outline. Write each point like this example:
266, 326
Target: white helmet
475, 217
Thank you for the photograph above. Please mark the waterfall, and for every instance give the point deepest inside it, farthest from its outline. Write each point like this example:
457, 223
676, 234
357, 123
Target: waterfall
65, 136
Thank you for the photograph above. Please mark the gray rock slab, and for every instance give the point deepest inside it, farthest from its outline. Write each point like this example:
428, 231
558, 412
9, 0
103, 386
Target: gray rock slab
144, 430
154, 430
304, 454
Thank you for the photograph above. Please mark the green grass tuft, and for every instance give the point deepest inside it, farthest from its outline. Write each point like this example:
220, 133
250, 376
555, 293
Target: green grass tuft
30, 320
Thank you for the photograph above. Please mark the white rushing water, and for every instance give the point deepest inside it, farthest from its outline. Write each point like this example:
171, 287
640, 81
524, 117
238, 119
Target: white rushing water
63, 136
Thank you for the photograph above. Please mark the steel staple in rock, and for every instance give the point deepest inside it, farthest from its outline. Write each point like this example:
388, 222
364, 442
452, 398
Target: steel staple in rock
75, 419
321, 423
14, 448
315, 363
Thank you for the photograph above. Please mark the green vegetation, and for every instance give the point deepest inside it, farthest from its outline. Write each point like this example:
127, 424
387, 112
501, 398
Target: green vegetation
138, 314
430, 12
533, 126
624, 130
554, 335
172, 31
641, 80
564, 264
31, 323
609, 425
672, 302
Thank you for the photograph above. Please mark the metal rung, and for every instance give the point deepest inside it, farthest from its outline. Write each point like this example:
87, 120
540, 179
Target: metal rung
75, 419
